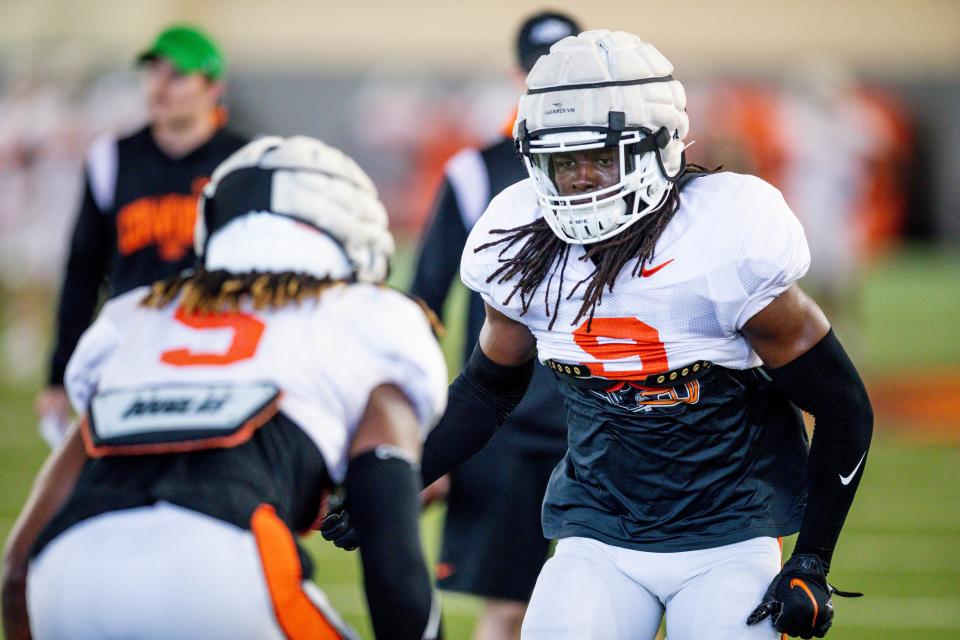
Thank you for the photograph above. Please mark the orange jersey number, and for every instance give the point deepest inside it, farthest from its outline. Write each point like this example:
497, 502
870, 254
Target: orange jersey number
247, 330
622, 339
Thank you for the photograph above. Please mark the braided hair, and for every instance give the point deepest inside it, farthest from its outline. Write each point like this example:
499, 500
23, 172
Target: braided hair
542, 254
221, 291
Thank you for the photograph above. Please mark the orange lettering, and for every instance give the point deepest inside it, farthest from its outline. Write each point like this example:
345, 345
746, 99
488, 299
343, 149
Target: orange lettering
196, 187
165, 221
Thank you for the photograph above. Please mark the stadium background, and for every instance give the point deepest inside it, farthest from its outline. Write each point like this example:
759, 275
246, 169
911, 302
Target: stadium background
400, 86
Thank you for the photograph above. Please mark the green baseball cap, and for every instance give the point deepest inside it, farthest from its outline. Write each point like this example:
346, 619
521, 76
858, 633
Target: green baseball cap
189, 50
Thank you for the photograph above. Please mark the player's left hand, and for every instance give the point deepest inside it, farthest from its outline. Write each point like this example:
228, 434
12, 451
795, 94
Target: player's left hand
53, 408
336, 526
798, 600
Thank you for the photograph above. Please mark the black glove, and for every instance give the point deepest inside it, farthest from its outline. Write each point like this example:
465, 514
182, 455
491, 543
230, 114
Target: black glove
336, 526
798, 600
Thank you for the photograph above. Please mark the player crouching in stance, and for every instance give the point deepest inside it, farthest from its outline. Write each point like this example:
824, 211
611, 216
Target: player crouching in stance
221, 407
666, 303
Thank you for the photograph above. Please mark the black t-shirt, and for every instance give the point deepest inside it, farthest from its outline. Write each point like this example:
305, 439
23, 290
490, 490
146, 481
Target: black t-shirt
135, 225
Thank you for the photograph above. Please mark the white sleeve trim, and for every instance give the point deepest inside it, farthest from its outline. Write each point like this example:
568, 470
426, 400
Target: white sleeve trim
102, 171
753, 306
471, 184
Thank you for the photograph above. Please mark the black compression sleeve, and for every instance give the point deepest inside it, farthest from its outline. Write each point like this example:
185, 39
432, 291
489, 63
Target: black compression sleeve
480, 399
824, 383
383, 489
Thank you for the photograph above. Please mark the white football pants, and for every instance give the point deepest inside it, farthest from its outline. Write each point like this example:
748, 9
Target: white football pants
592, 590
166, 572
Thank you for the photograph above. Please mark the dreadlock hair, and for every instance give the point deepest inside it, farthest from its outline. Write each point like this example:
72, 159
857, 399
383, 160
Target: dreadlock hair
220, 291
543, 253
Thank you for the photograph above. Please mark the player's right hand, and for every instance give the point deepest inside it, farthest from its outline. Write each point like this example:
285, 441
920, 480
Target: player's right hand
336, 526
53, 399
798, 600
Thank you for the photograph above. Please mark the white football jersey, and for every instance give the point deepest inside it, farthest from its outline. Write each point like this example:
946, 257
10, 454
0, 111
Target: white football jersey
731, 248
325, 355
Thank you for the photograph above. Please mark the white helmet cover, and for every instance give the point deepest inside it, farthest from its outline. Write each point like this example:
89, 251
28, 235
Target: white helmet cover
603, 89
304, 179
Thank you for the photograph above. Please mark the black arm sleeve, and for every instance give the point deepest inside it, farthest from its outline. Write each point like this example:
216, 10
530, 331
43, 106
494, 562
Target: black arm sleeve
480, 399
90, 251
383, 488
824, 383
440, 252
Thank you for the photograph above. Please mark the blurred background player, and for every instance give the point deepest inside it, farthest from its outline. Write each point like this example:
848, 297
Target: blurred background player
493, 545
836, 144
135, 224
840, 154
171, 511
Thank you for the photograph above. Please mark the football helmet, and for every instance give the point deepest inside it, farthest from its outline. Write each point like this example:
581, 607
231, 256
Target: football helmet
603, 89
306, 180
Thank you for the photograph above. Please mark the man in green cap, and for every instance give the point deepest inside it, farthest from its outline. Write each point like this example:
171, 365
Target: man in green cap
189, 49
135, 225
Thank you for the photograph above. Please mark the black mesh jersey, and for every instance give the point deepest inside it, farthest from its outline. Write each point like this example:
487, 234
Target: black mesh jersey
279, 466
715, 461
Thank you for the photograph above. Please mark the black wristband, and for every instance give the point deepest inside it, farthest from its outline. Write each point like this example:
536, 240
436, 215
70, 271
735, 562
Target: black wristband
383, 492
480, 399
824, 383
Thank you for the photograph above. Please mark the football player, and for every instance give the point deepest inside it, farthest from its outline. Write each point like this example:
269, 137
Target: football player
664, 298
221, 407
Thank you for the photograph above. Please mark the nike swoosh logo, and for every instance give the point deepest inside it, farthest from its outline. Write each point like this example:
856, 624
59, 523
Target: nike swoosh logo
797, 582
646, 273
846, 480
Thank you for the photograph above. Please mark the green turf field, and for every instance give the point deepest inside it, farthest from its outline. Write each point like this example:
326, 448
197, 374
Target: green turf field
901, 544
